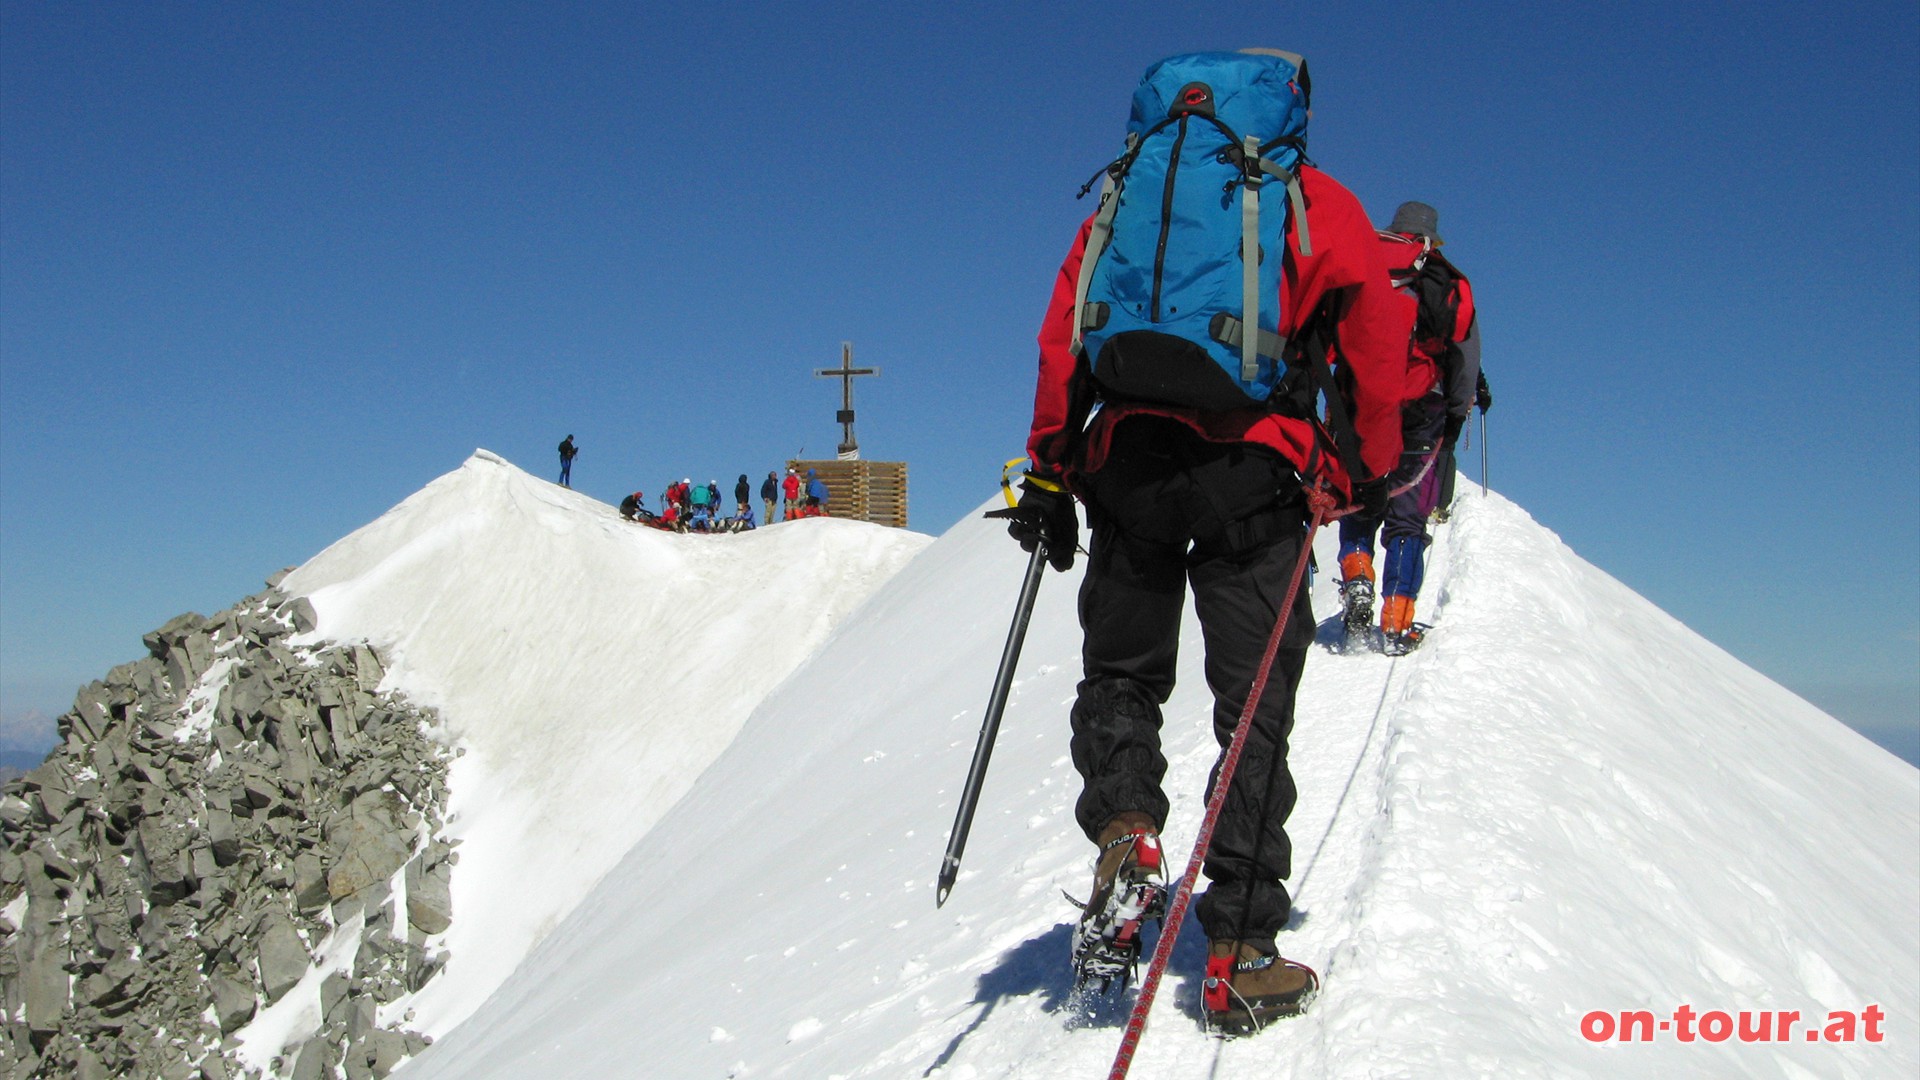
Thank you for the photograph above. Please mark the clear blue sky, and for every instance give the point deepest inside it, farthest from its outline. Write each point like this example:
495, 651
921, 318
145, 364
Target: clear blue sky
265, 270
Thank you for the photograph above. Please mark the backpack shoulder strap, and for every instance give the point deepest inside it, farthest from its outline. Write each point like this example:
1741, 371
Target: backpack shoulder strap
1312, 347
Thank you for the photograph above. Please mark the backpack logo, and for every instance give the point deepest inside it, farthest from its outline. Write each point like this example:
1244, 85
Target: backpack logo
1194, 98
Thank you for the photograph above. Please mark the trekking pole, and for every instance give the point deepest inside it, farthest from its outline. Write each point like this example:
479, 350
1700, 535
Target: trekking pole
1322, 506
1483, 453
996, 705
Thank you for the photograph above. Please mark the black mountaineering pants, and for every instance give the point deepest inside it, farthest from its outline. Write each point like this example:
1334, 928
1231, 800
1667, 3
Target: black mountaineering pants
1168, 509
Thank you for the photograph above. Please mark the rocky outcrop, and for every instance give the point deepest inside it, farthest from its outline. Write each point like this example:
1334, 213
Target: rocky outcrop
219, 814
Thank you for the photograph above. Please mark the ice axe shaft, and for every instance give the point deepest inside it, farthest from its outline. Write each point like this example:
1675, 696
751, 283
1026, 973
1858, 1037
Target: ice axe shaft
1483, 453
990, 725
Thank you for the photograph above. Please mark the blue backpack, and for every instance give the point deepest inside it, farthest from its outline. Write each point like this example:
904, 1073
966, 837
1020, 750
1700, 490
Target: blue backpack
1187, 244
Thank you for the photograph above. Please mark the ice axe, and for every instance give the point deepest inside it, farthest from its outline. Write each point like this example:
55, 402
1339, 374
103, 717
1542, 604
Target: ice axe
996, 703
1483, 453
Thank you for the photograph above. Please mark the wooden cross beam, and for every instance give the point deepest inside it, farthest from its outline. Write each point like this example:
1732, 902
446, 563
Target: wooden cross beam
846, 372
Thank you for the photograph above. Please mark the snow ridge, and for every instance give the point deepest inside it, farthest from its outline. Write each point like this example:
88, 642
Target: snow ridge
1565, 801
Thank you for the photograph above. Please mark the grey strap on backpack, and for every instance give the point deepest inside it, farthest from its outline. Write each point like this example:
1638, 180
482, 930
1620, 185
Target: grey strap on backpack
1097, 238
1250, 265
1250, 250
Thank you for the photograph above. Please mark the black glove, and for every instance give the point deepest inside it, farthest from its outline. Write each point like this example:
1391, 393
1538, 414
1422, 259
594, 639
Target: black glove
1482, 395
1045, 515
1371, 497
1452, 434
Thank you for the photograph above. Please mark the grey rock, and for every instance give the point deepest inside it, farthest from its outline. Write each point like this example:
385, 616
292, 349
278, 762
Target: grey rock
92, 710
299, 611
245, 694
259, 789
359, 1017
87, 1066
176, 630
52, 789
234, 998
385, 1051
429, 896
44, 988
228, 738
188, 660
314, 1061
202, 865
333, 997
223, 837
322, 743
367, 669
283, 957
169, 874
109, 984
310, 892
372, 839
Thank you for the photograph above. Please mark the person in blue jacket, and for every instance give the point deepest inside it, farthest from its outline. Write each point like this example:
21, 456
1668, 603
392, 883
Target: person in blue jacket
816, 491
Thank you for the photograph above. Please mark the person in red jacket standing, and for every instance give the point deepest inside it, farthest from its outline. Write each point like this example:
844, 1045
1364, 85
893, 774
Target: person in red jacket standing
790, 490
1442, 385
1210, 498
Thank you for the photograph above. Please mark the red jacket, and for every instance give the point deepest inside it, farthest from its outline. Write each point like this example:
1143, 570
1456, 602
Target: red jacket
1373, 324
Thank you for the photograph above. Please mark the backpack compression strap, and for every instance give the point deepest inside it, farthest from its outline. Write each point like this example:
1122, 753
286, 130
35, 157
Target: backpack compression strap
1101, 233
1258, 168
1250, 264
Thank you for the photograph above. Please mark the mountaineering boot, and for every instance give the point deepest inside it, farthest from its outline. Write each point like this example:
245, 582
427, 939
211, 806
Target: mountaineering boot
1398, 632
1129, 888
1249, 985
1356, 592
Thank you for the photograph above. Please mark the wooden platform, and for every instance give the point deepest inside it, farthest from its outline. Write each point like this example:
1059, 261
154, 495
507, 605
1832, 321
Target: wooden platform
862, 490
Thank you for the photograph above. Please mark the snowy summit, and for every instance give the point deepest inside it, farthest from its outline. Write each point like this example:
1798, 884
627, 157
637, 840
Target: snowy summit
707, 783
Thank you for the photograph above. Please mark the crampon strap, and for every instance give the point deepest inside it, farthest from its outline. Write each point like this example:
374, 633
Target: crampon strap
1146, 848
1217, 991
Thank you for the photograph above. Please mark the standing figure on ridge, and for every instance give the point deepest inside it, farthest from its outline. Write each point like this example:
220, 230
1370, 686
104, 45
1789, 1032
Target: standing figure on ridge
567, 451
770, 492
816, 494
1442, 374
791, 488
1194, 470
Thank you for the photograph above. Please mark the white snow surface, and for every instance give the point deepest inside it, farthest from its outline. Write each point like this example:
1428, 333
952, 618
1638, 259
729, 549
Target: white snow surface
1565, 802
587, 669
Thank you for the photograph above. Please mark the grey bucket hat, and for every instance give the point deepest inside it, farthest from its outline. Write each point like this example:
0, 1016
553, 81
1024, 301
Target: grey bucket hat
1417, 218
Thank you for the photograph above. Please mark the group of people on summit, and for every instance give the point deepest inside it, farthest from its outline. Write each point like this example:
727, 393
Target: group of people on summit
1223, 287
689, 507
